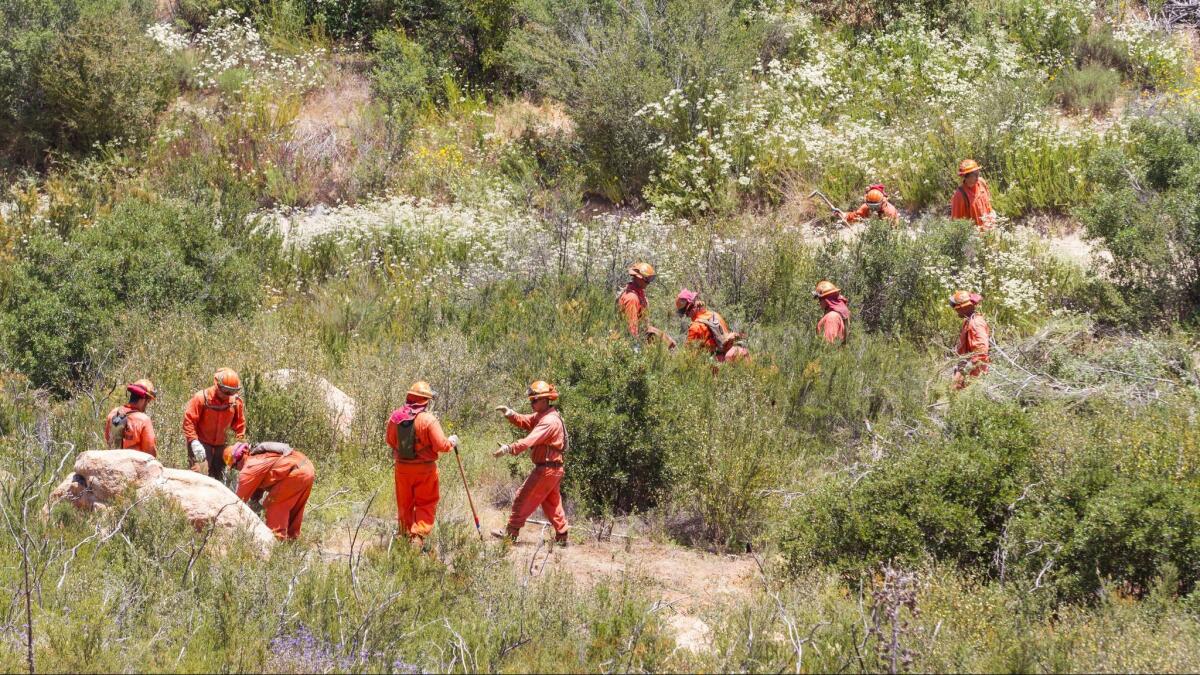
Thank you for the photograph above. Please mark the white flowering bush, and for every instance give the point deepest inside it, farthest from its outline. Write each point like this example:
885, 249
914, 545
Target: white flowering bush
1005, 271
1159, 58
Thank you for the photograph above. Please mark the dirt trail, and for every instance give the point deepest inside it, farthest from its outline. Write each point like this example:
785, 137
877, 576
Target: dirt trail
690, 583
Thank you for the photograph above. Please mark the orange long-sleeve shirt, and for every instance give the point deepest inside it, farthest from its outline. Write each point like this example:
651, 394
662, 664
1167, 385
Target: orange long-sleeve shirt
974, 203
887, 212
632, 304
207, 420
699, 335
266, 471
547, 436
973, 338
139, 431
429, 441
832, 327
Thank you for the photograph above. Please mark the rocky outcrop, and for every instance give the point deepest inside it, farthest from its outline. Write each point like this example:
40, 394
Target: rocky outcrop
341, 406
101, 476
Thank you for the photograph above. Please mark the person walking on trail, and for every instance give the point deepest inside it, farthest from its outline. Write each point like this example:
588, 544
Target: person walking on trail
632, 304
973, 200
875, 205
546, 443
416, 438
285, 476
207, 419
973, 339
836, 308
128, 427
708, 330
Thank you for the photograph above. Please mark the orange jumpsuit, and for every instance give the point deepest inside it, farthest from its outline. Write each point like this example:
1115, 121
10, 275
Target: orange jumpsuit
546, 442
632, 303
972, 343
699, 335
416, 480
287, 481
832, 327
974, 203
887, 212
207, 420
139, 431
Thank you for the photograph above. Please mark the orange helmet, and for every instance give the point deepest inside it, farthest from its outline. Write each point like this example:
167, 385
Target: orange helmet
643, 271
227, 380
144, 388
875, 196
421, 389
234, 453
542, 389
960, 299
968, 166
824, 288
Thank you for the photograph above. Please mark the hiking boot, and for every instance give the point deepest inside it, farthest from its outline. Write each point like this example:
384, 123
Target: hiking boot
417, 542
509, 535
561, 539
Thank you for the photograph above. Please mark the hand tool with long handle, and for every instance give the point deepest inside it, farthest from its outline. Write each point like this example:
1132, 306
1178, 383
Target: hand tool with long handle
466, 487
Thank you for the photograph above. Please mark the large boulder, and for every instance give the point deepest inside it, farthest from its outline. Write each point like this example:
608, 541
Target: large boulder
341, 406
102, 475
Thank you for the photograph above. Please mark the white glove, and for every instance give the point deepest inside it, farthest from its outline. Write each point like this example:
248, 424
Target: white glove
501, 451
453, 440
197, 451
505, 410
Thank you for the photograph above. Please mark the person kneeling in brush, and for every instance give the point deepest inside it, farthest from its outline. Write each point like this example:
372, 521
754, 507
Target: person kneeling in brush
546, 443
283, 474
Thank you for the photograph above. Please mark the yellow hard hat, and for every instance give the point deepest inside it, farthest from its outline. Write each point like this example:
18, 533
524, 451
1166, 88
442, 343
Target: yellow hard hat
968, 166
542, 389
643, 271
227, 380
421, 389
824, 288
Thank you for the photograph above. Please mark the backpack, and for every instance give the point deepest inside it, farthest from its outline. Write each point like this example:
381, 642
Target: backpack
118, 426
724, 339
406, 438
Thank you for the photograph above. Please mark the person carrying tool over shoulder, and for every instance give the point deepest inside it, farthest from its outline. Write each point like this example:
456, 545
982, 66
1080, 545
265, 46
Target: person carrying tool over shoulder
832, 325
633, 305
416, 438
209, 416
128, 427
546, 443
285, 476
875, 204
973, 200
972, 339
708, 330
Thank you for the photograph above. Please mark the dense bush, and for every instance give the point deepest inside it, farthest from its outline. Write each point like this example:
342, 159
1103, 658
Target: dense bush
69, 295
1092, 88
77, 73
1146, 212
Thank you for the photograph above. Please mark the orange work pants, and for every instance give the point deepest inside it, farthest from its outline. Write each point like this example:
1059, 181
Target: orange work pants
286, 500
417, 495
540, 489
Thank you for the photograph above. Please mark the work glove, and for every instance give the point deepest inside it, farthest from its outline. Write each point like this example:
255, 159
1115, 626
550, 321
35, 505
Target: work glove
501, 451
197, 451
453, 440
505, 410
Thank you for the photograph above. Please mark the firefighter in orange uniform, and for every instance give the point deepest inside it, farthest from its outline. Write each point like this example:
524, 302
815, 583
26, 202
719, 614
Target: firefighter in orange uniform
973, 340
209, 416
128, 427
546, 443
416, 438
278, 475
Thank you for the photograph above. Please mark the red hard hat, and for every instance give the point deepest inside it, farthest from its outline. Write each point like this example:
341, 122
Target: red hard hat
144, 388
234, 453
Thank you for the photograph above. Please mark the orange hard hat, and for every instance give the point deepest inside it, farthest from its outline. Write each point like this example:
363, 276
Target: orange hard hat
643, 271
421, 389
824, 288
875, 196
227, 380
542, 389
234, 453
959, 299
144, 388
968, 166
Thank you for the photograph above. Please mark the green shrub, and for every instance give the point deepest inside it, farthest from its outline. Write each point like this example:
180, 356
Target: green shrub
401, 78
69, 295
606, 61
77, 73
945, 498
296, 415
1092, 88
